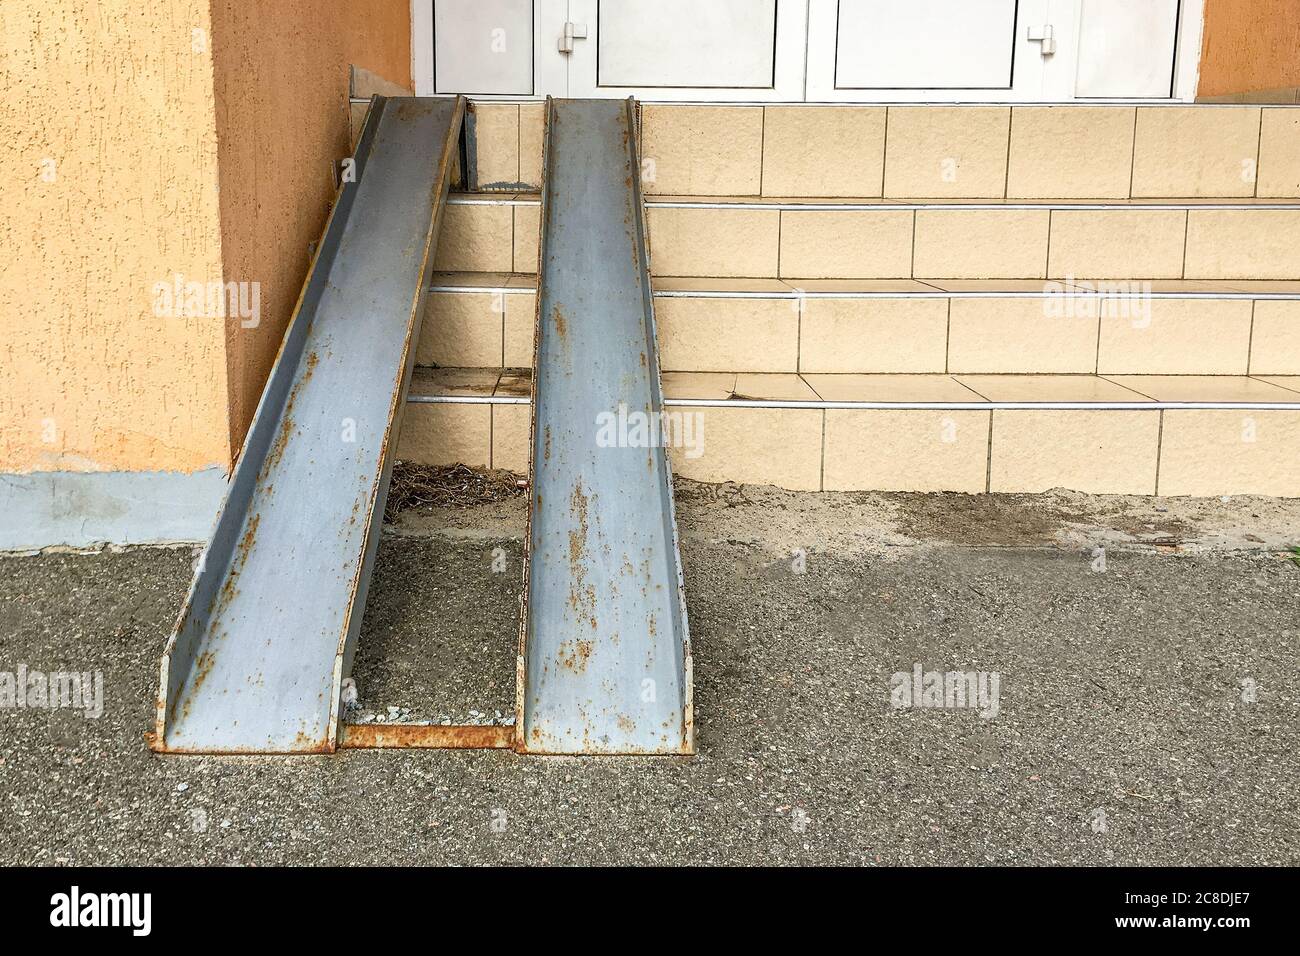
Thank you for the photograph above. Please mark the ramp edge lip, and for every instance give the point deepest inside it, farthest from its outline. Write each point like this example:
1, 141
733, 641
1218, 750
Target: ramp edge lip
333, 227
687, 745
267, 404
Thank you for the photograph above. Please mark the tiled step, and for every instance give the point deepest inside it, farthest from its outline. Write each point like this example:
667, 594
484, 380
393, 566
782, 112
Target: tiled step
1169, 435
1111, 151
1164, 327
732, 237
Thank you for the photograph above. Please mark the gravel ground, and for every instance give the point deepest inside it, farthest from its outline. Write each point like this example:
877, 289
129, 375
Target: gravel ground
1125, 731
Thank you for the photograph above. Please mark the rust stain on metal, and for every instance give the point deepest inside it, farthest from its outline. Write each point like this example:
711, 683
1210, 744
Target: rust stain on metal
560, 326
427, 737
575, 654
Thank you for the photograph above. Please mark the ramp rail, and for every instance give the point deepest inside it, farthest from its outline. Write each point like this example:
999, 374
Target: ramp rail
268, 630
604, 663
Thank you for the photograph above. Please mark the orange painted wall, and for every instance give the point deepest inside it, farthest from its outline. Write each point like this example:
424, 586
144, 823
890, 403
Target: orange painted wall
1250, 45
108, 186
281, 84
145, 141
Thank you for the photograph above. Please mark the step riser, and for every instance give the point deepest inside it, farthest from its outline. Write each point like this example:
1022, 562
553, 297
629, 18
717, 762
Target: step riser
919, 335
907, 152
923, 244
1169, 452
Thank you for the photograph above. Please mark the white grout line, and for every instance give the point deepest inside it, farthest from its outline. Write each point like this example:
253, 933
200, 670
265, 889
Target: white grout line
935, 406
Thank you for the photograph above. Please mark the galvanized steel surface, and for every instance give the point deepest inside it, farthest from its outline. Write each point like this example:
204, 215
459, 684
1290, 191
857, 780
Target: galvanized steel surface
269, 627
604, 662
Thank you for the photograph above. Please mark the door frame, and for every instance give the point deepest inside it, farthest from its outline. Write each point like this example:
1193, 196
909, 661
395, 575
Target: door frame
813, 83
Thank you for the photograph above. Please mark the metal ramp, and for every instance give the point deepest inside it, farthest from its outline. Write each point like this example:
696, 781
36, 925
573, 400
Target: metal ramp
269, 627
604, 662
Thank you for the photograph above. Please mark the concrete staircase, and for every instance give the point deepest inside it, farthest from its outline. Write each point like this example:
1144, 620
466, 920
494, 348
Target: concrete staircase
969, 298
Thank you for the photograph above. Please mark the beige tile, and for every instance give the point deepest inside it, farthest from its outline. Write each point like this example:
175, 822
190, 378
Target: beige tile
1189, 151
702, 150
475, 238
515, 383
455, 381
1098, 452
1203, 388
1000, 336
714, 242
1117, 243
470, 280
496, 135
1070, 152
1243, 244
937, 151
717, 284
461, 328
762, 446
520, 322
890, 388
1289, 382
1229, 452
858, 285
981, 244
906, 450
873, 335
857, 244
773, 387
1048, 388
510, 437
1279, 155
446, 435
1275, 338
532, 131
699, 385
1257, 287
992, 285
728, 335
1174, 337
823, 150
527, 234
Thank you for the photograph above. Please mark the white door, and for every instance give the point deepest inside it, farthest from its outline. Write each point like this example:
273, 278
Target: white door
814, 50
1127, 49
717, 50
910, 50
1002, 50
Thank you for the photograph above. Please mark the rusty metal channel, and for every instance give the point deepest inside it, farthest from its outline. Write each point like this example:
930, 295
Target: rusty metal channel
605, 663
428, 736
268, 630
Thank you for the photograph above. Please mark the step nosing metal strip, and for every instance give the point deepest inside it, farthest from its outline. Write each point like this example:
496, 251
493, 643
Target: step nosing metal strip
1136, 405
903, 205
797, 293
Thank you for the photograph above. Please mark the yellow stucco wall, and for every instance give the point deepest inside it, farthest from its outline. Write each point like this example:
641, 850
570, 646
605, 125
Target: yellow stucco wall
282, 123
146, 141
108, 185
